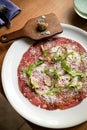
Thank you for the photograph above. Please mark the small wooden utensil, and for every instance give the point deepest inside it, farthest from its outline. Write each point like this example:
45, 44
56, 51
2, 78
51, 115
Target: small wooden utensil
30, 29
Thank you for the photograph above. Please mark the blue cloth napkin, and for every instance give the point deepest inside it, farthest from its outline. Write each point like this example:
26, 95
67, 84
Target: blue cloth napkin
13, 9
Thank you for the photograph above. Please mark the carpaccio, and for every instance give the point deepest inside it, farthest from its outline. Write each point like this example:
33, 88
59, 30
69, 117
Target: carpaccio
52, 74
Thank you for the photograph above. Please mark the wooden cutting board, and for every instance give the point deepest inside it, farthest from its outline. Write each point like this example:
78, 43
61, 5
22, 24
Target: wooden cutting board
30, 29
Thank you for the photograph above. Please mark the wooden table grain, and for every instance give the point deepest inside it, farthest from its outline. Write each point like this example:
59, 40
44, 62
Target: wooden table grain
32, 8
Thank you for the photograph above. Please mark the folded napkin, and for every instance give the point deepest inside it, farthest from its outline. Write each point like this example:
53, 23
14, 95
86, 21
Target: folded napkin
13, 10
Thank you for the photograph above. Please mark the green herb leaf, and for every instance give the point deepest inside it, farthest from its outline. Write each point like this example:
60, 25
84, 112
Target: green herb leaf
53, 91
29, 84
28, 70
45, 52
77, 74
38, 62
31, 67
65, 66
68, 53
69, 71
61, 57
53, 74
56, 58
53, 82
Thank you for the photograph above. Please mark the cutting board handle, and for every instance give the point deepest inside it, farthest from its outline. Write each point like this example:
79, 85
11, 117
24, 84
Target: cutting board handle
11, 36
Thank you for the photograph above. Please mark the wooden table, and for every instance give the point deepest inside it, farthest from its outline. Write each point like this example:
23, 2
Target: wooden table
32, 8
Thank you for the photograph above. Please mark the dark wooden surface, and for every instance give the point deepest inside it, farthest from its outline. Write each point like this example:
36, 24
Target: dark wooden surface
9, 119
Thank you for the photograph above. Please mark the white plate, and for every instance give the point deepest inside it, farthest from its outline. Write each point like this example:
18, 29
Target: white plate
51, 119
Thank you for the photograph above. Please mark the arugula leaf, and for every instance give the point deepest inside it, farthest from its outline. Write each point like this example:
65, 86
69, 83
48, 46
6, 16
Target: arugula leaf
61, 57
68, 53
57, 58
78, 74
45, 52
38, 62
29, 84
53, 91
31, 67
73, 86
54, 74
53, 82
67, 68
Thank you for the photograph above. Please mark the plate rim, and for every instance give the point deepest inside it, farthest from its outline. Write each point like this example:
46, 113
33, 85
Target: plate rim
34, 121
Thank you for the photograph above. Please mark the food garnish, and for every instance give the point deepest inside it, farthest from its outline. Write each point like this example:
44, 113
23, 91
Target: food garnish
54, 74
